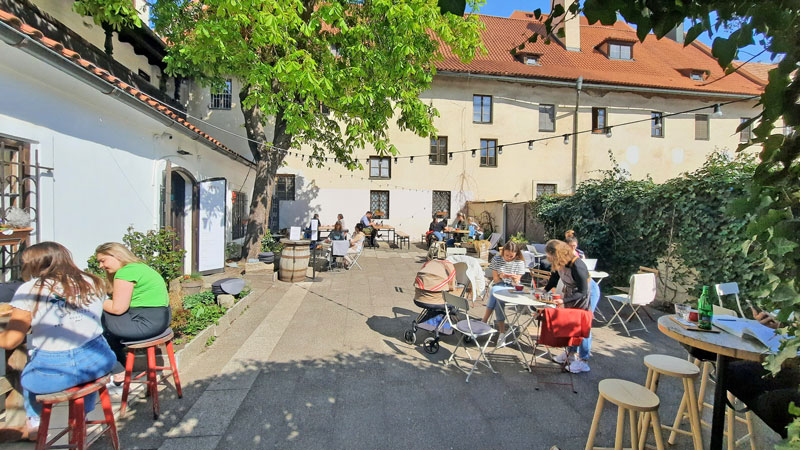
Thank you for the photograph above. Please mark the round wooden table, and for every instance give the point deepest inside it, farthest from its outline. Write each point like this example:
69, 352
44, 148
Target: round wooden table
727, 347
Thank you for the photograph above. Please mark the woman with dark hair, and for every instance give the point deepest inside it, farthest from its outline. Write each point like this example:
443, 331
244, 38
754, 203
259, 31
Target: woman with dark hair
507, 267
572, 241
61, 306
580, 291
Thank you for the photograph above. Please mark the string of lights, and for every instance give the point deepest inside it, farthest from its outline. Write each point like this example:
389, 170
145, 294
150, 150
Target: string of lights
716, 107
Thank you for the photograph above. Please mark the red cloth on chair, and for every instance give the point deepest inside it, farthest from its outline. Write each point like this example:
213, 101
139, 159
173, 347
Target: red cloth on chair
562, 327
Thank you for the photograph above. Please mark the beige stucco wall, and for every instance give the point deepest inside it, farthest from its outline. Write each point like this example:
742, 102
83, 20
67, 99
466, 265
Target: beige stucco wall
62, 11
214, 121
516, 118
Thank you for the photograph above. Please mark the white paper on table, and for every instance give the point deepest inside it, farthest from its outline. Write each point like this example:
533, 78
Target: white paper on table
294, 233
339, 248
747, 327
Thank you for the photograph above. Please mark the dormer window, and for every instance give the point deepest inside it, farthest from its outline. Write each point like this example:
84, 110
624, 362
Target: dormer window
696, 76
529, 59
620, 50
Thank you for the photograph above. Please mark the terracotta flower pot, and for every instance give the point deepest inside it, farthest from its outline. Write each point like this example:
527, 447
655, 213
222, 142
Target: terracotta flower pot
191, 287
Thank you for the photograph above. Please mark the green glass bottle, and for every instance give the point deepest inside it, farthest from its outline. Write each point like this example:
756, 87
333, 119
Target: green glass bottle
705, 312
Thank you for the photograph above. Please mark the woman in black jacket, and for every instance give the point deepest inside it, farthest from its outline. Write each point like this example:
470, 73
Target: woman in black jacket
580, 292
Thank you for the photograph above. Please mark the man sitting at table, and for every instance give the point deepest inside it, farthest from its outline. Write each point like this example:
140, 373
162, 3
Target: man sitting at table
766, 396
437, 230
369, 228
459, 224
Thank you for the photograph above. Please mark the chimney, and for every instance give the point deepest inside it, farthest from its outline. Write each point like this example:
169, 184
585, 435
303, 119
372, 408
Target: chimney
677, 34
571, 24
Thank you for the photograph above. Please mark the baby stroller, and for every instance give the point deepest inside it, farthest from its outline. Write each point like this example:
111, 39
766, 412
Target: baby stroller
433, 321
436, 276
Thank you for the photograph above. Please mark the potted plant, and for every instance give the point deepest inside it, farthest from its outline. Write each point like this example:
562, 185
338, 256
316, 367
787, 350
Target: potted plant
269, 248
15, 227
192, 284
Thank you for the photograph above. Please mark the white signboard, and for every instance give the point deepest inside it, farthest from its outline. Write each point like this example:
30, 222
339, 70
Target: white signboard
211, 224
294, 233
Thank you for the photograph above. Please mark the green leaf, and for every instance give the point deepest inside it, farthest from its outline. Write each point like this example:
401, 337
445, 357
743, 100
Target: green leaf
724, 50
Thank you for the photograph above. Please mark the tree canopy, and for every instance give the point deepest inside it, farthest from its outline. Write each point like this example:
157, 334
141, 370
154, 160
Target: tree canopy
367, 62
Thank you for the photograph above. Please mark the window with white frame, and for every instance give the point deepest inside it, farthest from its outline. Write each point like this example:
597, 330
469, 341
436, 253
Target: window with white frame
620, 51
222, 99
380, 167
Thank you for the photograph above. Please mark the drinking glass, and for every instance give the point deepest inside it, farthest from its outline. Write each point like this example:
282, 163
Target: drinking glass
682, 310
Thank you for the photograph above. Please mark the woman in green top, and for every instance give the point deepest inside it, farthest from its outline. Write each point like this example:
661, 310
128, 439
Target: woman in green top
139, 305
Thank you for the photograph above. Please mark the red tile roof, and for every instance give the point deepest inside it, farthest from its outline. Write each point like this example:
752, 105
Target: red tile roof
758, 70
662, 64
99, 72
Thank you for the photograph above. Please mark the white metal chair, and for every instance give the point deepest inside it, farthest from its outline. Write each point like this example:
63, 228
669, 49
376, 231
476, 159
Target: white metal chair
338, 250
591, 263
642, 292
731, 288
462, 280
355, 259
469, 328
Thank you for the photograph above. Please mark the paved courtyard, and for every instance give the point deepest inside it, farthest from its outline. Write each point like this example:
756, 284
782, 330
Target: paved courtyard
323, 365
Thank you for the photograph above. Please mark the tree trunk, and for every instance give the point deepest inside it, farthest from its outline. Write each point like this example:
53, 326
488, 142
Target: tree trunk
268, 160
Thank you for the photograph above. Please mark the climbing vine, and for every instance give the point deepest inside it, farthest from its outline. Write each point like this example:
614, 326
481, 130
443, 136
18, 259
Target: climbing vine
684, 223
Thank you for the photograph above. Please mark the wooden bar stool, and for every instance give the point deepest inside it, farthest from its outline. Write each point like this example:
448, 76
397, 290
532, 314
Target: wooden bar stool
151, 373
629, 397
670, 366
77, 416
731, 416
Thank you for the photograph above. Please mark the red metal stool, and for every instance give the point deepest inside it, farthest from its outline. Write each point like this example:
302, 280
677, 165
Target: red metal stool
153, 379
77, 416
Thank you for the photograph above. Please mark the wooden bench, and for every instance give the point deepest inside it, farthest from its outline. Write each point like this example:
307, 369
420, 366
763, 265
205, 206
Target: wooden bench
403, 237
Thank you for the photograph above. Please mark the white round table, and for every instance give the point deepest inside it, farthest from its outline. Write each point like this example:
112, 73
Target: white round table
525, 299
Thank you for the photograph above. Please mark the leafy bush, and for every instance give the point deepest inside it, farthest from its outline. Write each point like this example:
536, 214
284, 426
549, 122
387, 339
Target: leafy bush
269, 244
233, 251
519, 238
199, 311
157, 249
684, 222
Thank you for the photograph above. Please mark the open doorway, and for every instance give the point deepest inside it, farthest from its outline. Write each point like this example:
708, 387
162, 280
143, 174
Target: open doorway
182, 213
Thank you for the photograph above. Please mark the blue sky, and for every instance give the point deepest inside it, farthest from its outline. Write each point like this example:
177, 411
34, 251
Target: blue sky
504, 8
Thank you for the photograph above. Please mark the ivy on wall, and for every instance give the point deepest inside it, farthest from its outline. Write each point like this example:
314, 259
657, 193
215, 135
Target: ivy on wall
685, 223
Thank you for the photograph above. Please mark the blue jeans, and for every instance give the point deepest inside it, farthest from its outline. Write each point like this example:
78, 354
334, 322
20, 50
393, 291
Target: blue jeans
494, 303
438, 235
585, 349
49, 372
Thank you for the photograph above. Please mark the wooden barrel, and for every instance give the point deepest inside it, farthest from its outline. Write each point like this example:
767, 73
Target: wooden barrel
294, 260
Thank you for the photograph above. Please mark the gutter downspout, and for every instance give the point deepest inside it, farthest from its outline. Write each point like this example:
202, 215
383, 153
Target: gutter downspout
578, 86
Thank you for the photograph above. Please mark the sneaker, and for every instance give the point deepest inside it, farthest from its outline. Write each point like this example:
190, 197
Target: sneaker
562, 358
578, 366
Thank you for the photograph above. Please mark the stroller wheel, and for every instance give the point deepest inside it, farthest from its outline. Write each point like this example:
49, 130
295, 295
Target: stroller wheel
431, 345
410, 337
